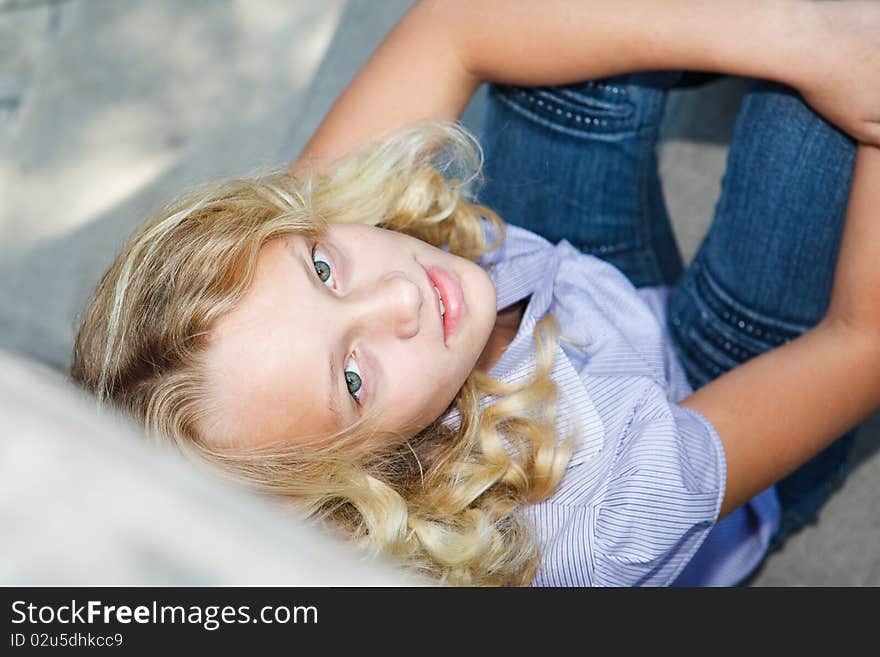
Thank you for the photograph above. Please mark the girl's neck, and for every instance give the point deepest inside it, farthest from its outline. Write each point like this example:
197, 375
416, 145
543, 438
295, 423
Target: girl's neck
506, 325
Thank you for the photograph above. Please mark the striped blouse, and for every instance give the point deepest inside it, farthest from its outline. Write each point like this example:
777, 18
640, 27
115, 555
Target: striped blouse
638, 502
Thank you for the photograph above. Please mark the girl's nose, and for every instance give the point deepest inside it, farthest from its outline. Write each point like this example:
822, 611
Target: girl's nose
392, 305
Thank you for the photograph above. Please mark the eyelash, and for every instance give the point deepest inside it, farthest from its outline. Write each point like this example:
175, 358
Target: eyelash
355, 395
325, 260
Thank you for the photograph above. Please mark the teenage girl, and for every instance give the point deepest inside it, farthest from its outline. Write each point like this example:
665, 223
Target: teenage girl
488, 406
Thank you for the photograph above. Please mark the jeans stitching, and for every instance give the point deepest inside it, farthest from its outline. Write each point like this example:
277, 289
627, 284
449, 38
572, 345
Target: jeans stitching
616, 91
607, 250
703, 355
739, 316
714, 342
583, 126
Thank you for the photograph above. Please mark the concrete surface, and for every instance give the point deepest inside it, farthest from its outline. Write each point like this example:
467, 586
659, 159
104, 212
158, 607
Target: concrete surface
74, 484
108, 109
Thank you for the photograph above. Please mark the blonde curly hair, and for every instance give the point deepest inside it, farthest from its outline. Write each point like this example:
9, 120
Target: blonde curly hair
445, 502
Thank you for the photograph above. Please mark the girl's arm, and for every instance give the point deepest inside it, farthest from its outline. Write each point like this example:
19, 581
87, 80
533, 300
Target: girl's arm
434, 59
777, 410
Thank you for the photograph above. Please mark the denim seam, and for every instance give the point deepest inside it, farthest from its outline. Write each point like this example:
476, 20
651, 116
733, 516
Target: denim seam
607, 250
703, 360
586, 133
725, 333
774, 329
576, 98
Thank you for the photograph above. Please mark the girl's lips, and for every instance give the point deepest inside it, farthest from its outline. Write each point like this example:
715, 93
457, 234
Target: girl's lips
453, 298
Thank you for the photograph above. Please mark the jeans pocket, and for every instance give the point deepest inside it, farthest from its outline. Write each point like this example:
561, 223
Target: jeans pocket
587, 109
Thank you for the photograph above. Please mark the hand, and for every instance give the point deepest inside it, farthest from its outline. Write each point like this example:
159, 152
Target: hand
840, 78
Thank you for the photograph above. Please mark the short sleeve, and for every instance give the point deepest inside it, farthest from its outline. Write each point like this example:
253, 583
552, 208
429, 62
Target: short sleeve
662, 484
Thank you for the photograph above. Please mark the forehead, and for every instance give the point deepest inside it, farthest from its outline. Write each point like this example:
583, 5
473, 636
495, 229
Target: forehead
267, 365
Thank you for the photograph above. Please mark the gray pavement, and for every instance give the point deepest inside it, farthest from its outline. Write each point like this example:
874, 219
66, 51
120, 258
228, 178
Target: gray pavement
108, 109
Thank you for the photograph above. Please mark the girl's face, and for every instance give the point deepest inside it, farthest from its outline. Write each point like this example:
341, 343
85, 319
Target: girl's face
348, 324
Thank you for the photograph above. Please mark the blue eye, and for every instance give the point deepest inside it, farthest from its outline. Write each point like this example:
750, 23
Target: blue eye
353, 378
322, 266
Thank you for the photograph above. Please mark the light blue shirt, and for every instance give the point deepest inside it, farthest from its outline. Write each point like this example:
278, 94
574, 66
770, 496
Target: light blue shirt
638, 502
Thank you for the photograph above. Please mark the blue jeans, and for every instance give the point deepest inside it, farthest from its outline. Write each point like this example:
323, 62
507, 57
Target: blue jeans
579, 162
